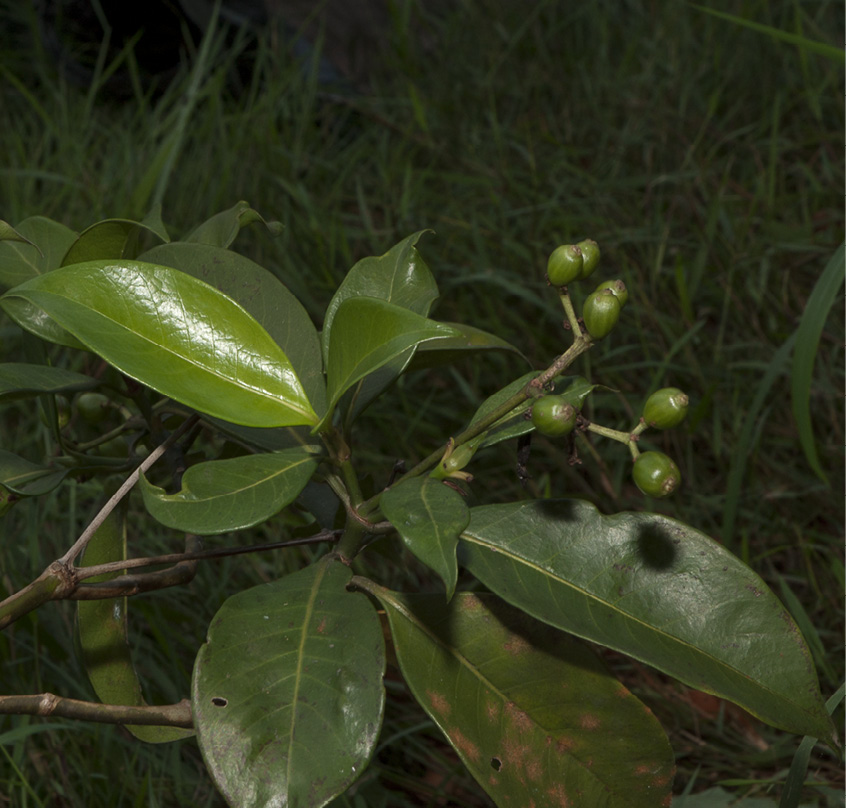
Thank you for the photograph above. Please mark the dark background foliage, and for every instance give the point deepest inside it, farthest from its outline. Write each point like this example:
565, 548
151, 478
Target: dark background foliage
703, 157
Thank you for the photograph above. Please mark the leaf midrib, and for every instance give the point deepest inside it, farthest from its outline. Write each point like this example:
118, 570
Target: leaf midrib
514, 558
209, 370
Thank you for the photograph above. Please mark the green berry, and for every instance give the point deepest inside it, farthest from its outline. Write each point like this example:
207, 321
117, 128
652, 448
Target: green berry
92, 408
618, 288
600, 313
666, 408
553, 416
565, 265
590, 256
655, 474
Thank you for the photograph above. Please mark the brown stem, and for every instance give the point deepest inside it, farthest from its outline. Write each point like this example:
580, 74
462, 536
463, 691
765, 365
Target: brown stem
48, 704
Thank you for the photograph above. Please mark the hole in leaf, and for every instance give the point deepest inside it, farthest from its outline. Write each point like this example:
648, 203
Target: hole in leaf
217, 701
496, 763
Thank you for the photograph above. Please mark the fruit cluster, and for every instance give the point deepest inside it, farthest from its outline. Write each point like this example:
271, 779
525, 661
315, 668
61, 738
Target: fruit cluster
654, 473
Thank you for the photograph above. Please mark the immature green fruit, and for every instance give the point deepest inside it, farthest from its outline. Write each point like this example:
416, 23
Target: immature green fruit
565, 265
601, 312
590, 256
618, 289
92, 408
666, 408
553, 416
655, 474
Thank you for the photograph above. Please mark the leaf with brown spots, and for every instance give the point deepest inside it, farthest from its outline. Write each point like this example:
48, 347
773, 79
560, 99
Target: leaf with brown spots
655, 589
531, 711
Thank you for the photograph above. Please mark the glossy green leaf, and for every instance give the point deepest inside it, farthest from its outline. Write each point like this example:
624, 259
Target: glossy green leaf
20, 380
37, 322
826, 292
48, 242
532, 713
223, 228
429, 516
263, 296
368, 333
103, 634
657, 590
287, 693
467, 339
233, 494
114, 239
177, 335
26, 478
401, 277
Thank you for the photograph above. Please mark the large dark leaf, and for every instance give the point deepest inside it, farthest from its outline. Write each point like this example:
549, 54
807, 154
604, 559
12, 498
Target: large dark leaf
19, 380
532, 713
175, 334
429, 516
287, 692
25, 478
656, 589
233, 494
48, 242
103, 634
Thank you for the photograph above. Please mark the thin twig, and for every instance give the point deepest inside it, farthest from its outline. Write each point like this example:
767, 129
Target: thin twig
199, 555
128, 483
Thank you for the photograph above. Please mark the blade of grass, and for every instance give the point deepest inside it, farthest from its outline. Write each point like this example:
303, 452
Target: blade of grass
822, 48
796, 776
816, 313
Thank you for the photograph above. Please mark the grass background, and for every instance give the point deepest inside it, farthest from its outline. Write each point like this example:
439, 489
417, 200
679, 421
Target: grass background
702, 156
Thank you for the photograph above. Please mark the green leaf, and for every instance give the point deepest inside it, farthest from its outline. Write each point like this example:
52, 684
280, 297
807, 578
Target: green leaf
233, 494
287, 693
367, 334
48, 242
429, 516
25, 478
400, 276
532, 713
223, 228
114, 239
657, 590
103, 634
468, 339
8, 233
263, 296
177, 335
826, 292
20, 380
